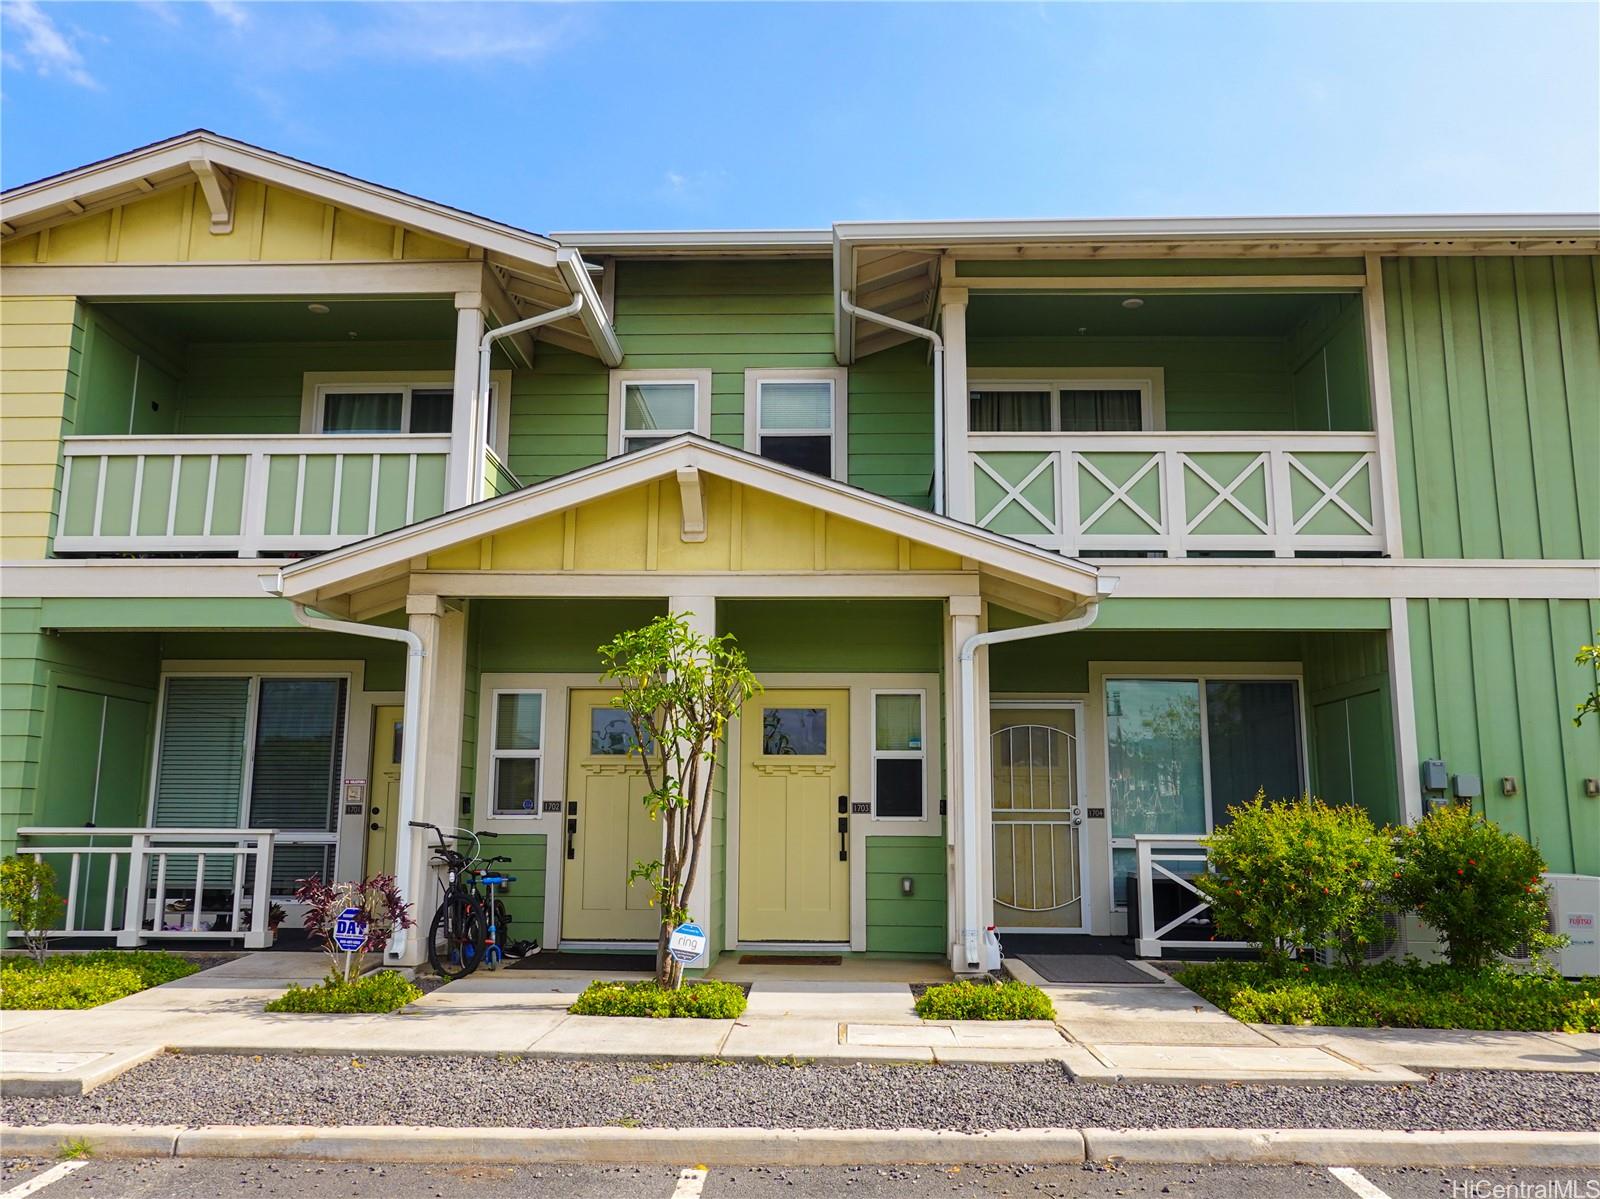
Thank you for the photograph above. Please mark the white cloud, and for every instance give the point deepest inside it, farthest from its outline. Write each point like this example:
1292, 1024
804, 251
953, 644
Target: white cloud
230, 12
44, 49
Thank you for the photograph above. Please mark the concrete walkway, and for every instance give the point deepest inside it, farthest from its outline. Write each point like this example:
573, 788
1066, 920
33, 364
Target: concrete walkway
1161, 1032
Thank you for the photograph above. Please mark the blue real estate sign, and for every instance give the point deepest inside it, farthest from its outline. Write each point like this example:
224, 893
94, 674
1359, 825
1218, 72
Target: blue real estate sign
688, 944
349, 930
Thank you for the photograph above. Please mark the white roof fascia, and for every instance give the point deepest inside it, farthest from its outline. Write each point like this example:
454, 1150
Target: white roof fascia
396, 548
126, 170
701, 241
593, 313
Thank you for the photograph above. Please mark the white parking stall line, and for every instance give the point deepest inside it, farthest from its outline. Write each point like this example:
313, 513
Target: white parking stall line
1357, 1182
54, 1174
691, 1182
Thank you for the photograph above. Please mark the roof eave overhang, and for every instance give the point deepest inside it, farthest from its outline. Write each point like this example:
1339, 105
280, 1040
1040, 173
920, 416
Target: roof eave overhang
370, 562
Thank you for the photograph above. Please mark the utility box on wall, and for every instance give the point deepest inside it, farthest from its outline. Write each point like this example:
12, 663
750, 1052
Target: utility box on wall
1574, 913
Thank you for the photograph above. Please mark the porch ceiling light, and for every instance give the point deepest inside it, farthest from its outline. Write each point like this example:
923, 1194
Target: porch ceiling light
319, 309
1133, 302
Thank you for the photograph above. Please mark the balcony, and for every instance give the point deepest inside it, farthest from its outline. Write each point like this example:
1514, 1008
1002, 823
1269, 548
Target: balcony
245, 495
1179, 494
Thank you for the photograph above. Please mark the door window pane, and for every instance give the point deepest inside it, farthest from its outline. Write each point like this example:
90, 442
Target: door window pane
610, 732
517, 720
796, 731
1156, 784
1253, 734
363, 412
431, 408
299, 749
1117, 411
1009, 411
796, 406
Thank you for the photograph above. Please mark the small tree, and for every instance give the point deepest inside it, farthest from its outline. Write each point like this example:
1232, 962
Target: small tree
679, 690
382, 911
1477, 885
1298, 874
28, 895
1589, 655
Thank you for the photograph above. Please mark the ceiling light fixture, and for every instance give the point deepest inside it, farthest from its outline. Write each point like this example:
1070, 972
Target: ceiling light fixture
1133, 302
319, 309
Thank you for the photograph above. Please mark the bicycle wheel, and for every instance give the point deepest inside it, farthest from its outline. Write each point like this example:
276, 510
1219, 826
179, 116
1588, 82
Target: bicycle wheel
455, 940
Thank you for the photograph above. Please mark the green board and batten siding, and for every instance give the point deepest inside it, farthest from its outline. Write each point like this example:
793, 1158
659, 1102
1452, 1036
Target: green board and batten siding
901, 923
1495, 370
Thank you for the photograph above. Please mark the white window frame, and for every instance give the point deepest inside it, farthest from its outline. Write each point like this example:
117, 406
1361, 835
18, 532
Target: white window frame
496, 755
838, 380
1148, 381
919, 754
621, 379
1103, 676
315, 385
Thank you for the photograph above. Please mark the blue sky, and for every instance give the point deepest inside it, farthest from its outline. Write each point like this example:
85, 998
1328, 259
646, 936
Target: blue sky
579, 116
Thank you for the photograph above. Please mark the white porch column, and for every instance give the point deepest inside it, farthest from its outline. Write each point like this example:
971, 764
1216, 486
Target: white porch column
704, 907
968, 917
461, 488
957, 474
1408, 759
443, 632
1377, 331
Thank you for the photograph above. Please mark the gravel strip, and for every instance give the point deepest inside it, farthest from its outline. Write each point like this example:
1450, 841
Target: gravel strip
545, 1093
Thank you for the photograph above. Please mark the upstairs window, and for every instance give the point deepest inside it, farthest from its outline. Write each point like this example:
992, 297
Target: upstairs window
387, 409
797, 417
651, 407
1075, 405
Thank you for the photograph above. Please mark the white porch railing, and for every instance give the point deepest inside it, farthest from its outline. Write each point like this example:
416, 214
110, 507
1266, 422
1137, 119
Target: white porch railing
243, 494
1179, 493
142, 863
1154, 855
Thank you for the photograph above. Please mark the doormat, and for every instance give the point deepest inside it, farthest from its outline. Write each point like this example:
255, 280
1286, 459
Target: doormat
599, 962
1086, 968
791, 959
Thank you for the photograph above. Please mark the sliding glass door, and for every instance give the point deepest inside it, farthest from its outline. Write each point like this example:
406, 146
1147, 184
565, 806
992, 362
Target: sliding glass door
1180, 751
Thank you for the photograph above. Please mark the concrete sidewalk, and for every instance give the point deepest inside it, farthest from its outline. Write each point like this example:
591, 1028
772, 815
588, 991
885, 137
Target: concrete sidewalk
1160, 1032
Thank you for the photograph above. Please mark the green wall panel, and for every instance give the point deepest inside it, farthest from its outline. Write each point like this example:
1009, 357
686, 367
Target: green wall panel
1495, 687
1494, 366
524, 899
891, 424
561, 635
897, 923
813, 635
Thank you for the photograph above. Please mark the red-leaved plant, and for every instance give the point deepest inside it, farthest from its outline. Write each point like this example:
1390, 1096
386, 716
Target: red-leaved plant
382, 909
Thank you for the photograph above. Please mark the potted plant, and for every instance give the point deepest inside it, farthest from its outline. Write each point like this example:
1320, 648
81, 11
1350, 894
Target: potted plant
275, 916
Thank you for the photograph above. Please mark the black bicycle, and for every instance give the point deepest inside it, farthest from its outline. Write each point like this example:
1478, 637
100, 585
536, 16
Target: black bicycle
459, 931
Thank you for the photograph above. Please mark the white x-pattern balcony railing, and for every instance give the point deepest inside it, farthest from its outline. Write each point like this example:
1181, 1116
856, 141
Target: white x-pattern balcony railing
1179, 493
245, 495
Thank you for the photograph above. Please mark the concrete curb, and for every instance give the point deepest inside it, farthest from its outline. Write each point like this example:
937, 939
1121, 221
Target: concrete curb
74, 1084
821, 1146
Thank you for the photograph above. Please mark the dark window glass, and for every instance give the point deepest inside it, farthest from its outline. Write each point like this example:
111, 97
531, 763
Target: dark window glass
1009, 411
516, 785
1253, 734
812, 453
899, 787
1100, 411
799, 731
362, 412
298, 752
430, 410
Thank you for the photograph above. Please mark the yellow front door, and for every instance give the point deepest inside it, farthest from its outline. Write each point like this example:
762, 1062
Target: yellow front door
606, 829
794, 785
383, 796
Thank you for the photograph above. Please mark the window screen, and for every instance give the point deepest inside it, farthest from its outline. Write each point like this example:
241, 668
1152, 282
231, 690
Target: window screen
653, 412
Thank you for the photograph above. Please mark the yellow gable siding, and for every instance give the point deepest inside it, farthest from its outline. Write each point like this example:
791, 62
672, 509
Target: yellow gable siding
638, 530
270, 224
40, 340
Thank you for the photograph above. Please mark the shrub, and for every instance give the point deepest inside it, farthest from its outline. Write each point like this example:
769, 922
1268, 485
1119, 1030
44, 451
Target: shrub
377, 899
383, 991
1009, 1000
82, 980
709, 999
1399, 995
28, 897
1478, 886
1298, 874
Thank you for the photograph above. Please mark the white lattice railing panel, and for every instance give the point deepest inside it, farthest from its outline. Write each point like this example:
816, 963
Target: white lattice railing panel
1180, 493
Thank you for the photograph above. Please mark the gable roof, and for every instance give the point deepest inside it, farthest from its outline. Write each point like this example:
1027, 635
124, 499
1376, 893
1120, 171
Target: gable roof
365, 563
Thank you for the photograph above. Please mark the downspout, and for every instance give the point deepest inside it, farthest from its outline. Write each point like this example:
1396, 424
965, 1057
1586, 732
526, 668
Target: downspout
408, 729
971, 934
928, 335
485, 350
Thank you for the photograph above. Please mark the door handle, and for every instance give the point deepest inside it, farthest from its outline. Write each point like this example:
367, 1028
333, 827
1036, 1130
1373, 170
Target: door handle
376, 811
572, 832
374, 826
844, 837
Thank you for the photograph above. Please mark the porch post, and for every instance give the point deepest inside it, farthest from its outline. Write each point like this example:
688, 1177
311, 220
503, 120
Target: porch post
701, 613
442, 629
461, 488
957, 473
967, 918
1408, 759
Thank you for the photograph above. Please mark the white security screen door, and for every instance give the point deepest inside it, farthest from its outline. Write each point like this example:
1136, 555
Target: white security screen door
1036, 775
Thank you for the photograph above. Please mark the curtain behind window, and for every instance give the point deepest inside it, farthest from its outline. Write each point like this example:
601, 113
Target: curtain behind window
362, 411
1100, 411
1253, 734
1009, 411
